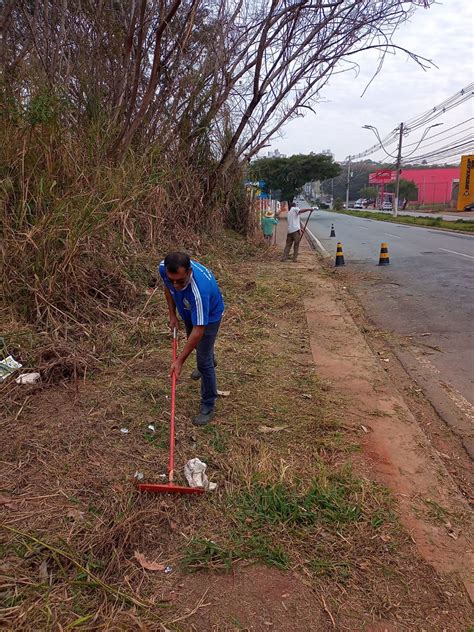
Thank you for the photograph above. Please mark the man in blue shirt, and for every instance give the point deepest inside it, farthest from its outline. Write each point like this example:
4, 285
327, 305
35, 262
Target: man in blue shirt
192, 289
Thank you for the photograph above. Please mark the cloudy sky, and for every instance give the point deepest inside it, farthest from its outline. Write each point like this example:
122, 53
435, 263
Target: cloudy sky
445, 34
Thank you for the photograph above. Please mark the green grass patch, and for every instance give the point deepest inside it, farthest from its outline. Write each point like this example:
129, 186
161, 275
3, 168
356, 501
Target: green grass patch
276, 505
434, 222
330, 499
269, 520
261, 549
203, 554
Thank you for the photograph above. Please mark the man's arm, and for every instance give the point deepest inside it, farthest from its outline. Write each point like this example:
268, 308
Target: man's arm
173, 319
195, 336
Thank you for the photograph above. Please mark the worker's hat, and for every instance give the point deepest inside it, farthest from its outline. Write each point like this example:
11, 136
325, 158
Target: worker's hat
268, 213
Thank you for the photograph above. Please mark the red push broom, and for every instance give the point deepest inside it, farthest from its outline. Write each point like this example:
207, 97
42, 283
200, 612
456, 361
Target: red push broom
170, 487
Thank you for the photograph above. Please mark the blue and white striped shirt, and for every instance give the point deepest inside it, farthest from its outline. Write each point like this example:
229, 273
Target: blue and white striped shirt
201, 300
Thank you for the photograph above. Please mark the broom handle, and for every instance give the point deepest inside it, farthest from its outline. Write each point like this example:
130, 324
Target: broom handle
307, 220
173, 409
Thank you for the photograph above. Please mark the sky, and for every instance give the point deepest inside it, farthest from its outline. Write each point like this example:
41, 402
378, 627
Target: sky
445, 34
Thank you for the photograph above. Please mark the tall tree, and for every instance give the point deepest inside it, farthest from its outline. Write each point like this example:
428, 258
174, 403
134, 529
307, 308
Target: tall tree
370, 193
288, 175
408, 190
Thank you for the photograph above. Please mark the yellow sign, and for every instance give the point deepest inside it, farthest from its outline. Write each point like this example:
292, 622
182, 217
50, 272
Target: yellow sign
466, 183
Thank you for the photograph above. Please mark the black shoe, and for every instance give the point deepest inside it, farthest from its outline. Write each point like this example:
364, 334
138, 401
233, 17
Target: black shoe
205, 416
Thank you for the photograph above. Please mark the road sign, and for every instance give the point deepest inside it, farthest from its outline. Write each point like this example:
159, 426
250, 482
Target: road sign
382, 176
466, 183
260, 184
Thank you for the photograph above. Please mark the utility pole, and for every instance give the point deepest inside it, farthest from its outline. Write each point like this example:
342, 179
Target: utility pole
399, 164
348, 181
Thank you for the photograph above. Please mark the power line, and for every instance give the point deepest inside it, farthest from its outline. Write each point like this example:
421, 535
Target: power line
388, 140
418, 121
443, 133
457, 99
446, 151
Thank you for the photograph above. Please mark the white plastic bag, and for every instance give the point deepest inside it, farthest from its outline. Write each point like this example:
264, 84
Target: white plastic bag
28, 378
195, 472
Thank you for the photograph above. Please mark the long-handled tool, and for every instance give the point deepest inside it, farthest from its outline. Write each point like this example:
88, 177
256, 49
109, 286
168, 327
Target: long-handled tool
170, 487
306, 223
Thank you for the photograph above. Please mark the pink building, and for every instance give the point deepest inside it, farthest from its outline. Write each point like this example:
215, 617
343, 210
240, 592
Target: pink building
435, 186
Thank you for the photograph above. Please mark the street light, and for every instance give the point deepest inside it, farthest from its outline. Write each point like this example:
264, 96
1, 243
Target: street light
399, 129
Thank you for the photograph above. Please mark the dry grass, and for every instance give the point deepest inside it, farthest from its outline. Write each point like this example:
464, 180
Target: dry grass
71, 519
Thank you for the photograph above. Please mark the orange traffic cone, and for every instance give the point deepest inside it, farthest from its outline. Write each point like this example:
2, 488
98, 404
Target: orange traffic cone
384, 259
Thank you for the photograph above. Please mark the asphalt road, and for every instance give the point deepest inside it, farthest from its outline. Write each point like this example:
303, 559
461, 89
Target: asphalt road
426, 295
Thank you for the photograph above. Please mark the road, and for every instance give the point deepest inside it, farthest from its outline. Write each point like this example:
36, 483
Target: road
425, 295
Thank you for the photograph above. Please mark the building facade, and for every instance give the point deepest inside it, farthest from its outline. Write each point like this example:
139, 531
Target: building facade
435, 186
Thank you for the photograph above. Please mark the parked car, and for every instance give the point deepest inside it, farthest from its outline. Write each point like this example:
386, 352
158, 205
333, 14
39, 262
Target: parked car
386, 205
360, 203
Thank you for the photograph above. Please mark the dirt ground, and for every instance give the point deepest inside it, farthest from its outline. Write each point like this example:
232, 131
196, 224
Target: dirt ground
400, 453
387, 548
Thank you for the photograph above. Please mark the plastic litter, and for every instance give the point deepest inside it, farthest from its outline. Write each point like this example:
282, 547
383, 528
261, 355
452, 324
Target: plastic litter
195, 472
28, 378
268, 429
124, 430
8, 366
151, 427
168, 569
139, 476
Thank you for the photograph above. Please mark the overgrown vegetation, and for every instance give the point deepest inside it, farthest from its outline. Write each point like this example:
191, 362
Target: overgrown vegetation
465, 226
127, 126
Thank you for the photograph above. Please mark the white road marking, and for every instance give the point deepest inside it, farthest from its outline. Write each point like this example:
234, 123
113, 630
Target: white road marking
392, 235
453, 252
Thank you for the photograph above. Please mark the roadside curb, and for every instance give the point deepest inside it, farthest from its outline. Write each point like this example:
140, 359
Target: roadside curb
315, 244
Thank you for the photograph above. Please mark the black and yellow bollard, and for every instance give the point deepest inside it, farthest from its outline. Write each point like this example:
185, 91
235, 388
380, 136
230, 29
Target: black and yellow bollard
333, 232
384, 259
339, 255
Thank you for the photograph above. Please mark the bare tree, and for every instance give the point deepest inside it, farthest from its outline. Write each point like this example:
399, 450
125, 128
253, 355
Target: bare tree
208, 79
291, 50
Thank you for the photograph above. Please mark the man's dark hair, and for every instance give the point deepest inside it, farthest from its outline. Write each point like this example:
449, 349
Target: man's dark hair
176, 260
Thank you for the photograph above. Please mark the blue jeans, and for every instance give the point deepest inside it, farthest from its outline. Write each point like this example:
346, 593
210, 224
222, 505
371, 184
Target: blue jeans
205, 362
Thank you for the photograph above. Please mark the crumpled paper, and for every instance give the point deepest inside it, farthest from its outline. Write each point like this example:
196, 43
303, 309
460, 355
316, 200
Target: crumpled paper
195, 472
28, 378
